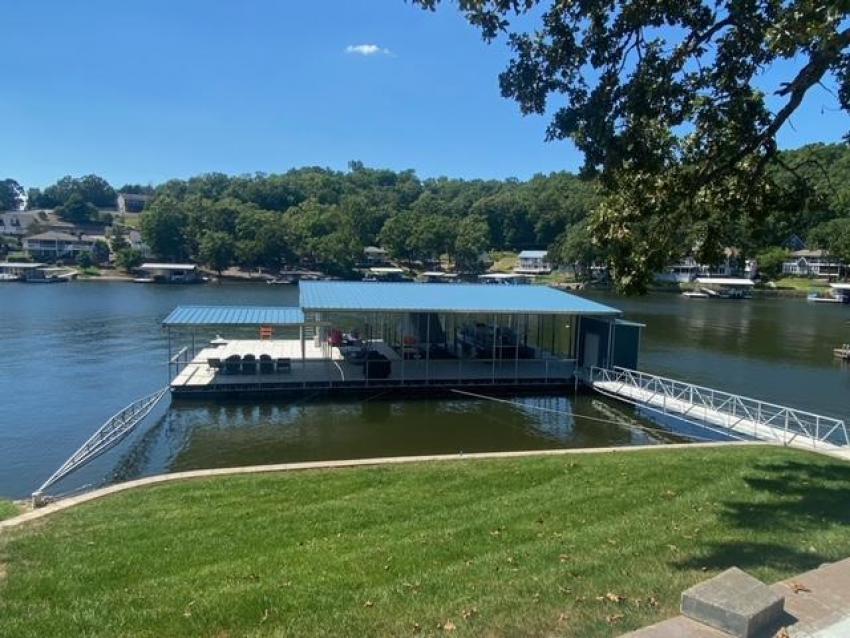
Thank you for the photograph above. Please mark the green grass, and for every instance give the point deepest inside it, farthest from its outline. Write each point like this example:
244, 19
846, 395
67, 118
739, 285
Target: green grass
91, 271
590, 545
8, 509
804, 284
503, 261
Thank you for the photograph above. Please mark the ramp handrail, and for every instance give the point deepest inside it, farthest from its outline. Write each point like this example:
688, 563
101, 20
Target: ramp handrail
736, 410
108, 435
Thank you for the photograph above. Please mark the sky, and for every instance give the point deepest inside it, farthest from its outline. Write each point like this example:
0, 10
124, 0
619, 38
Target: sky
145, 91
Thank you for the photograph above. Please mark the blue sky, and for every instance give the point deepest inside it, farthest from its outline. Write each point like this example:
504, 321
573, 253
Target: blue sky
145, 91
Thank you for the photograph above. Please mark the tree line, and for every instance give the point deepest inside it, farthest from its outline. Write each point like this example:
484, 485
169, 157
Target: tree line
324, 218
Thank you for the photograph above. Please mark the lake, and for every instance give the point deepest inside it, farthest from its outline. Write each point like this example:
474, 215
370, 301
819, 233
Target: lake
76, 353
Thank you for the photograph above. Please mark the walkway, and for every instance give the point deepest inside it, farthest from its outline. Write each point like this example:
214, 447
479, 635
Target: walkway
730, 414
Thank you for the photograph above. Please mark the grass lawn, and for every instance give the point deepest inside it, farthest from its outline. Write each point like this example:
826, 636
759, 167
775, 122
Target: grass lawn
805, 284
503, 261
8, 509
586, 545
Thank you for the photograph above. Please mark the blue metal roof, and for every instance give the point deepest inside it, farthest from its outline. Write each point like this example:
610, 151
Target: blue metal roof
457, 298
533, 254
234, 316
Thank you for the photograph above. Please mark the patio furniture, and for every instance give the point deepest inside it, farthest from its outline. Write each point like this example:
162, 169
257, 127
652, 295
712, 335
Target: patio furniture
284, 365
266, 364
232, 365
249, 364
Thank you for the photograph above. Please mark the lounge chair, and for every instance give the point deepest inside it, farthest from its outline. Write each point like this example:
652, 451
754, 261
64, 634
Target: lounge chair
266, 364
232, 365
214, 363
249, 364
284, 365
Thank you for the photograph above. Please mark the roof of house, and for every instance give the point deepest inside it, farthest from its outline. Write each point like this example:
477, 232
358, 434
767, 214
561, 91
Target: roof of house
374, 249
136, 196
21, 265
55, 235
234, 316
451, 298
725, 281
810, 253
533, 254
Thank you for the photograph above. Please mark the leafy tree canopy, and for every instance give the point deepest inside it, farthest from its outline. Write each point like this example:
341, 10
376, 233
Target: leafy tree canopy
663, 100
11, 195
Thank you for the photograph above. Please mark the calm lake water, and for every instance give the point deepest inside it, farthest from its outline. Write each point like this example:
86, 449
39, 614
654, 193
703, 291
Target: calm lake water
75, 353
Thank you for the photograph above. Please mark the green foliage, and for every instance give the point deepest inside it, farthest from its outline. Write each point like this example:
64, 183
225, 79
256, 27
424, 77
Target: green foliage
84, 260
576, 248
8, 509
667, 101
77, 210
833, 236
119, 238
770, 261
164, 228
217, 250
100, 252
90, 188
473, 238
11, 195
127, 259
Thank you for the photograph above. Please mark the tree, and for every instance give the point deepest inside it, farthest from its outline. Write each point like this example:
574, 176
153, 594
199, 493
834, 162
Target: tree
665, 100
11, 195
91, 188
84, 260
833, 236
217, 250
119, 239
128, 259
576, 248
100, 252
164, 225
473, 238
77, 211
770, 261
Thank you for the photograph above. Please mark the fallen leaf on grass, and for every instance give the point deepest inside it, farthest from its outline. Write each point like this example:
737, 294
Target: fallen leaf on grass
469, 613
563, 558
615, 598
562, 617
265, 616
613, 619
449, 626
368, 603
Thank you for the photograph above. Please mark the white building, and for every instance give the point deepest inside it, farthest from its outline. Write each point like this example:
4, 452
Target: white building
132, 203
54, 245
533, 262
17, 222
374, 256
171, 273
813, 263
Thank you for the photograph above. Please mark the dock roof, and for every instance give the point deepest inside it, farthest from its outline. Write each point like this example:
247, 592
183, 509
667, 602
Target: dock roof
348, 296
235, 316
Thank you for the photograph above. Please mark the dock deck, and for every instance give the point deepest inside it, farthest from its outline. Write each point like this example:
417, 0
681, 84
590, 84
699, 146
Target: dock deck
330, 367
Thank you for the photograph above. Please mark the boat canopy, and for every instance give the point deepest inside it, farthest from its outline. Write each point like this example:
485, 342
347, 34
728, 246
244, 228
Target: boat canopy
235, 316
725, 281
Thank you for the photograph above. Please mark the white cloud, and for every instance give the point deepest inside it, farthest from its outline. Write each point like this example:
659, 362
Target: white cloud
367, 49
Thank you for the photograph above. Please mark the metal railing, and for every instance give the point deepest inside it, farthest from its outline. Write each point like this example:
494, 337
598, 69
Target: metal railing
743, 415
105, 438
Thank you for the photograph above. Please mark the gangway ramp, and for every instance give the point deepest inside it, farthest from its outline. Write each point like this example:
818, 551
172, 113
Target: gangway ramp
736, 415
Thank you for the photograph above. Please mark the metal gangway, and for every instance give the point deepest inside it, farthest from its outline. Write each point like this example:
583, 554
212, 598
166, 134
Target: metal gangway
730, 414
107, 436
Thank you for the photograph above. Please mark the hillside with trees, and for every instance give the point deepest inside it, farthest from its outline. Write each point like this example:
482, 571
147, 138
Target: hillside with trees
324, 218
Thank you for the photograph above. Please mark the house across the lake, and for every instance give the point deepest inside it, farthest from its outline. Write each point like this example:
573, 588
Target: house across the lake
533, 262
132, 203
55, 245
365, 337
374, 256
813, 263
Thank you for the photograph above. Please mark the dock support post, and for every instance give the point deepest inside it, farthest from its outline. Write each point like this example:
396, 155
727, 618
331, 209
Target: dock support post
494, 349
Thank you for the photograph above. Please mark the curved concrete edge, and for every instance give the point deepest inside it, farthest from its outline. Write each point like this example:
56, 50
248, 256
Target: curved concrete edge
67, 503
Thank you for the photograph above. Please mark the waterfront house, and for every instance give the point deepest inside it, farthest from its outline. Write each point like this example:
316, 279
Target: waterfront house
55, 245
688, 268
348, 337
533, 262
132, 203
18, 223
374, 256
167, 273
813, 263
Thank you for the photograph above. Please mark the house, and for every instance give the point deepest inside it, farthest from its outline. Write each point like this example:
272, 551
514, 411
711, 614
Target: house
794, 243
813, 263
54, 245
374, 256
134, 238
17, 223
132, 203
533, 262
688, 268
